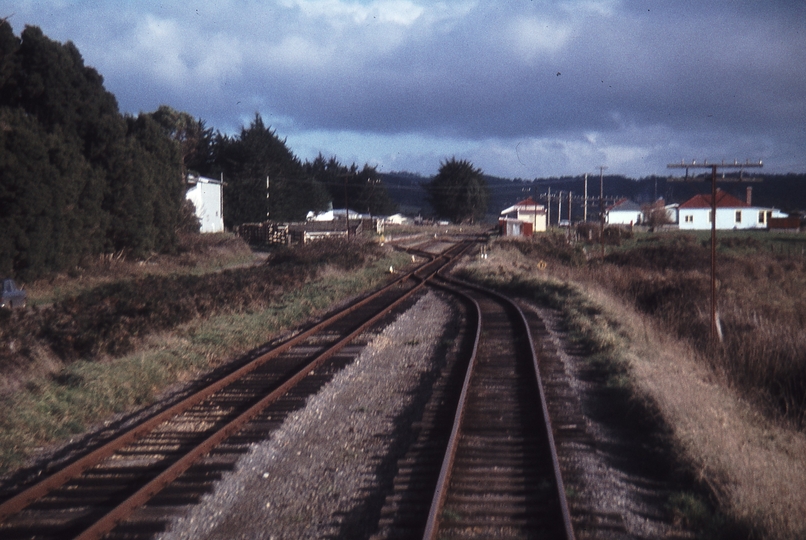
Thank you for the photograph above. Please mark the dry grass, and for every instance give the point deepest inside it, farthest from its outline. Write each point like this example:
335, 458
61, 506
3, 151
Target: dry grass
754, 465
59, 399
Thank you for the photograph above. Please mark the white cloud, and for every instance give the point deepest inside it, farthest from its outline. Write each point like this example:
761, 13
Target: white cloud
339, 13
534, 36
604, 8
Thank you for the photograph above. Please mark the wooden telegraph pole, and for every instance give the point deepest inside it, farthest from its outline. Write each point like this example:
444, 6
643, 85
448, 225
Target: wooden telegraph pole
716, 331
585, 200
601, 209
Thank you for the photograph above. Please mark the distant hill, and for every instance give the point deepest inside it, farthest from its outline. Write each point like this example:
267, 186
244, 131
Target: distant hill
786, 192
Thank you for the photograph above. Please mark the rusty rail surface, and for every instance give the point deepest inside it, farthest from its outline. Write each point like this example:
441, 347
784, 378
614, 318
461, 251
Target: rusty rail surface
121, 509
488, 500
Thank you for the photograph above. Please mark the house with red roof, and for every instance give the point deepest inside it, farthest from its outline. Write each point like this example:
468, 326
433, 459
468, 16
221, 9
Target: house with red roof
522, 219
731, 213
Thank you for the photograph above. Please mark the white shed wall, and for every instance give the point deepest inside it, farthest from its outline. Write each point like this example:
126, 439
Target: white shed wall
207, 199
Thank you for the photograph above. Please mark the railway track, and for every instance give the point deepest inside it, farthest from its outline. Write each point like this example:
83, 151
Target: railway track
485, 455
188, 445
483, 464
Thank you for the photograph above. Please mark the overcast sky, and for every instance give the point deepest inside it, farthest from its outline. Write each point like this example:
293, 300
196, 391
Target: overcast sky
521, 88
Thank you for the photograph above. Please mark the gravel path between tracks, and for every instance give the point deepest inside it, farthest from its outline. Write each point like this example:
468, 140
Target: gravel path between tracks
318, 467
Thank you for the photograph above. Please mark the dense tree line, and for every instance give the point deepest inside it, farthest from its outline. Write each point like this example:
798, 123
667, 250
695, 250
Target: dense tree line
77, 178
265, 180
348, 187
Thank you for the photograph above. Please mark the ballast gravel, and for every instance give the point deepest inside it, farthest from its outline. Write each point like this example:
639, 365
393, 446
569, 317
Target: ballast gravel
318, 466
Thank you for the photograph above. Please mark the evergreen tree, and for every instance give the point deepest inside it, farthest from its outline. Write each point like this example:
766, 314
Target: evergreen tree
252, 158
458, 192
193, 138
76, 178
360, 190
163, 166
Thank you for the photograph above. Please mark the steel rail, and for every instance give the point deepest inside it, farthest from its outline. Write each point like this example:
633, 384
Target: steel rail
441, 490
27, 496
444, 479
149, 490
18, 502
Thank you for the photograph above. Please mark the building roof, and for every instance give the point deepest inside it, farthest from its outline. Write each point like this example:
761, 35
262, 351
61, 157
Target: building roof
723, 200
526, 205
624, 205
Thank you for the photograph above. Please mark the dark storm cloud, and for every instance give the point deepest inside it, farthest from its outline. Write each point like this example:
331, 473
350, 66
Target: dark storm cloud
562, 83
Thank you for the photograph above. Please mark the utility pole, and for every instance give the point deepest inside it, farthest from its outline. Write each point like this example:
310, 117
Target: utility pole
585, 201
346, 208
601, 209
716, 330
346, 176
548, 209
570, 197
534, 216
267, 198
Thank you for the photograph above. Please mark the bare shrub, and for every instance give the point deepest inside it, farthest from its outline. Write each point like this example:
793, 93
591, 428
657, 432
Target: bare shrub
548, 246
762, 308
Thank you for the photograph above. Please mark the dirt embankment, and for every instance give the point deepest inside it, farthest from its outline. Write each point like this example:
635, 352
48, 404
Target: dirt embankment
113, 317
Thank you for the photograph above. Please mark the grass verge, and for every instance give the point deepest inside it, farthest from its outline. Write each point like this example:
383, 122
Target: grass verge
755, 469
62, 404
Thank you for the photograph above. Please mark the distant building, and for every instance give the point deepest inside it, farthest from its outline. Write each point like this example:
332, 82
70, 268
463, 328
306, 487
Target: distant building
336, 215
522, 219
397, 219
672, 211
731, 213
624, 212
206, 195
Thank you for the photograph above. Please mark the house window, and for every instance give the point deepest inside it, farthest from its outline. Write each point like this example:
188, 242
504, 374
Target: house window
710, 216
689, 218
738, 216
761, 217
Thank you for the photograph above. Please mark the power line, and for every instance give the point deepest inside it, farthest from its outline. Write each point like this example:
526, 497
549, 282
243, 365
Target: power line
716, 331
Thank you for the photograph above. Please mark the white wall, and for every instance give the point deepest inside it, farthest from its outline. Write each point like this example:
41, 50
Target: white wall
697, 218
537, 219
206, 196
623, 217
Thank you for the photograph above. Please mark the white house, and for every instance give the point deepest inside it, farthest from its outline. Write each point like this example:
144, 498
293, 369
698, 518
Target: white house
624, 212
206, 195
523, 219
731, 213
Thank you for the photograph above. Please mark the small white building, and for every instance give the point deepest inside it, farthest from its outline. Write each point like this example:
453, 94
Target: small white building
336, 214
206, 195
523, 219
397, 219
731, 213
624, 212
